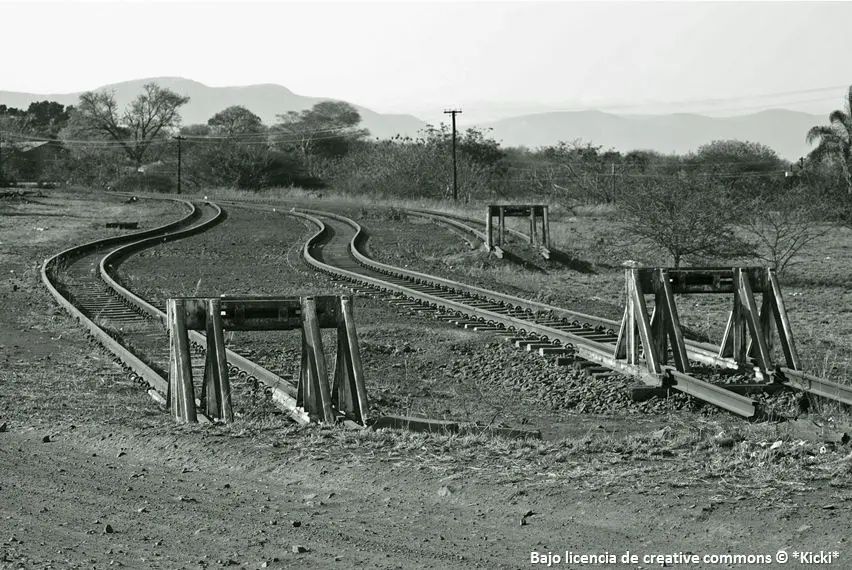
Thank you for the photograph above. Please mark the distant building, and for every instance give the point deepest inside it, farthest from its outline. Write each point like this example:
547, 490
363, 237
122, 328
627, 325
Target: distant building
28, 161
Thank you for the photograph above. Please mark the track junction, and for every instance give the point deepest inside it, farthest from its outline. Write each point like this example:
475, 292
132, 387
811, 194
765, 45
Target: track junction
81, 280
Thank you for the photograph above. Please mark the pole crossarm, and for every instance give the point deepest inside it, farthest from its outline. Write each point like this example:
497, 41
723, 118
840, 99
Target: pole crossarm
322, 402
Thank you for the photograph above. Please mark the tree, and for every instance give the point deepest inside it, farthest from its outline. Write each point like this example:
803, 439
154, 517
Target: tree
148, 118
745, 169
783, 225
235, 121
48, 118
583, 171
684, 217
327, 130
834, 141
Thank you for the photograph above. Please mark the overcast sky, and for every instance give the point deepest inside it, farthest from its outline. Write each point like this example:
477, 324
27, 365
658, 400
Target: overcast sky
408, 57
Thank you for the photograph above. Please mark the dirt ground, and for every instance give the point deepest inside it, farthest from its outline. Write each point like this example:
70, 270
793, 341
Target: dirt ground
93, 474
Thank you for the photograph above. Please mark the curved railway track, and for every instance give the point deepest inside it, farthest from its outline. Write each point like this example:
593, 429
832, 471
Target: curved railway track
472, 228
82, 282
338, 249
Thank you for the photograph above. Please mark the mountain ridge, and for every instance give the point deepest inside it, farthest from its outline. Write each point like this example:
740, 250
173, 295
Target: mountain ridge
783, 130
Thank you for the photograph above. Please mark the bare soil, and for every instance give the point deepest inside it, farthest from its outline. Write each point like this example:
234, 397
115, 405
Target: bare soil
93, 474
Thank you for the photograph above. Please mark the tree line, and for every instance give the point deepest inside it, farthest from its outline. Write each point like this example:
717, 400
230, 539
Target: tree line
690, 206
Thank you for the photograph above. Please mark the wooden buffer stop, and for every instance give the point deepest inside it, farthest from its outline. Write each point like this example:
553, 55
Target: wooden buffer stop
347, 395
748, 333
534, 212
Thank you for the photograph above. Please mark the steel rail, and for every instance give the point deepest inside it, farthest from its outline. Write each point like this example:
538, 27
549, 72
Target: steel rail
464, 220
584, 347
815, 385
130, 360
699, 351
458, 224
282, 392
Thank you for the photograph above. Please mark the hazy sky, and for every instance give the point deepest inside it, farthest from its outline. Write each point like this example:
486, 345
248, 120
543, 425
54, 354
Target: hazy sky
410, 57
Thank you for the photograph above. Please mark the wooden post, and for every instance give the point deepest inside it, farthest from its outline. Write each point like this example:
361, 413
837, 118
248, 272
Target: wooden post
182, 392
545, 228
782, 322
726, 348
670, 324
217, 385
632, 348
533, 229
489, 230
734, 342
621, 343
658, 328
641, 319
749, 310
316, 360
501, 222
766, 320
348, 390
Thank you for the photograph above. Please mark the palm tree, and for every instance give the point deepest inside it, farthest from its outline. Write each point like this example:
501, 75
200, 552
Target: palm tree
835, 139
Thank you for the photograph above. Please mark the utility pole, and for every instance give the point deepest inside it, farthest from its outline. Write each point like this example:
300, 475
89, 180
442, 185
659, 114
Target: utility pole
454, 112
179, 139
612, 181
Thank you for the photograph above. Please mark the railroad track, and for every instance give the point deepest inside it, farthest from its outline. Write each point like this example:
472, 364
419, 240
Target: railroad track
134, 331
337, 248
472, 228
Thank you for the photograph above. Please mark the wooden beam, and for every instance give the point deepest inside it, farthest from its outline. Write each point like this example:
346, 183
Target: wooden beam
217, 385
180, 365
749, 309
785, 331
316, 359
671, 323
641, 319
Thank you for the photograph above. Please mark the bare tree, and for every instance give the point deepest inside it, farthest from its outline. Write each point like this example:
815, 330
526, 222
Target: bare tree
149, 117
781, 228
684, 217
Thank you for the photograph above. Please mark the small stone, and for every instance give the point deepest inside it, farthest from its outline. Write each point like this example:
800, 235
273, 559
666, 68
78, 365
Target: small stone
309, 497
45, 439
299, 549
142, 510
121, 454
445, 491
296, 524
3, 427
108, 529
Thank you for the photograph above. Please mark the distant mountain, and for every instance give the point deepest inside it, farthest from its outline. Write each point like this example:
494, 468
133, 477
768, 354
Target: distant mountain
265, 101
782, 130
